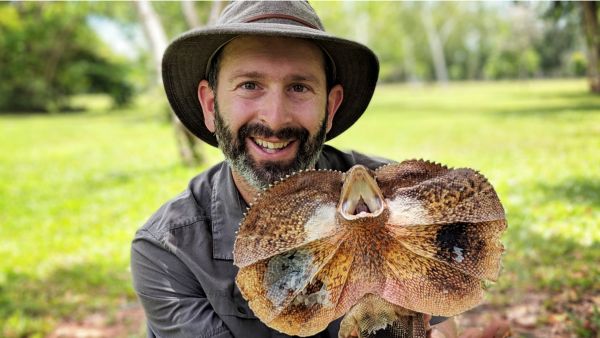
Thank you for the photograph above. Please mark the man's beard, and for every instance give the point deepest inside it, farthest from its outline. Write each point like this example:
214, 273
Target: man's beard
260, 175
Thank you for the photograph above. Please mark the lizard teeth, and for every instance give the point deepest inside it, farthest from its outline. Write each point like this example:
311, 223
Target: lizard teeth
271, 145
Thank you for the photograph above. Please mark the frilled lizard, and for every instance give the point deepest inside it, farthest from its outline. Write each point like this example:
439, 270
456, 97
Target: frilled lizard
382, 247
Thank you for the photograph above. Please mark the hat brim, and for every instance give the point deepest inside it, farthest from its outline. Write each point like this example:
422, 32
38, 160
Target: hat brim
184, 66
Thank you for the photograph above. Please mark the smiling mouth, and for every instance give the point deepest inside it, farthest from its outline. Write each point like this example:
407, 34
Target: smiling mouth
271, 147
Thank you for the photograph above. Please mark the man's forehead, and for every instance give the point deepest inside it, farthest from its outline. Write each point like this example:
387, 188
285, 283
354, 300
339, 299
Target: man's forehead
257, 43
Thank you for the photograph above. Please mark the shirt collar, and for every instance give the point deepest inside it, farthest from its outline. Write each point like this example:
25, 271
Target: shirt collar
226, 213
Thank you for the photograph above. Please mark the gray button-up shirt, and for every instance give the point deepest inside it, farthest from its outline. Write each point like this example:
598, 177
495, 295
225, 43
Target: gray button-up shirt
182, 261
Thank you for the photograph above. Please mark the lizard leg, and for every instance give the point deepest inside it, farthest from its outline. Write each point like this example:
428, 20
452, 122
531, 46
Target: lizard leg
374, 317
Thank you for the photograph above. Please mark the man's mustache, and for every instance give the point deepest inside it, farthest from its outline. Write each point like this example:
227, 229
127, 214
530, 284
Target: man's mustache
262, 130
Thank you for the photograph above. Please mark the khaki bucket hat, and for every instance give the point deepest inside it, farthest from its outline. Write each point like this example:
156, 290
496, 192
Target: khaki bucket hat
186, 59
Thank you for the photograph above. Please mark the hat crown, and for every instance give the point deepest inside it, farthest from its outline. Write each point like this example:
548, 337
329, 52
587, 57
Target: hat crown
298, 13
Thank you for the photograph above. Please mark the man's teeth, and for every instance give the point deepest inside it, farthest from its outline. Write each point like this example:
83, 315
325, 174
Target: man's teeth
271, 145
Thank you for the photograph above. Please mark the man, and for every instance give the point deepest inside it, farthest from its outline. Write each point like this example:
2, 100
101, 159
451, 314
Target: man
267, 86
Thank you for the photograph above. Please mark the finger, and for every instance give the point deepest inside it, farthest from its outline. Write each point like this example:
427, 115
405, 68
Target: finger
472, 333
426, 319
497, 329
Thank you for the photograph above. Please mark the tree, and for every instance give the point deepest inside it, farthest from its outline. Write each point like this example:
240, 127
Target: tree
148, 16
48, 53
587, 14
592, 37
436, 37
190, 147
515, 55
443, 41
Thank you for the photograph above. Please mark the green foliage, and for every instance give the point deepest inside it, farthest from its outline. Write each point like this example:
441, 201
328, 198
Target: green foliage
48, 53
577, 63
481, 40
561, 40
78, 189
170, 13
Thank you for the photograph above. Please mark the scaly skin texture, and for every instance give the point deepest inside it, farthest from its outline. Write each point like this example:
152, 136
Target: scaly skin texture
372, 314
381, 247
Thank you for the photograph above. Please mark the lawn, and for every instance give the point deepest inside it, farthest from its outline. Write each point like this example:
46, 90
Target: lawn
76, 186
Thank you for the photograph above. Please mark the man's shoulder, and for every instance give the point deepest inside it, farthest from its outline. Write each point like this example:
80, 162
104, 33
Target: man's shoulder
187, 208
333, 158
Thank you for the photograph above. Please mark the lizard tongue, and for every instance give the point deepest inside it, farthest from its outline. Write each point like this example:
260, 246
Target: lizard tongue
361, 206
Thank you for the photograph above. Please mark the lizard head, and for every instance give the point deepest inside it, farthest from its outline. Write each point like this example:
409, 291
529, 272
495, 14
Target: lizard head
360, 197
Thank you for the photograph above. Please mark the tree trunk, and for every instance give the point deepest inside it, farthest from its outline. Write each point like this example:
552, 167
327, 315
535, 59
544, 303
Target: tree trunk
154, 32
215, 10
189, 12
189, 146
409, 61
592, 37
437, 48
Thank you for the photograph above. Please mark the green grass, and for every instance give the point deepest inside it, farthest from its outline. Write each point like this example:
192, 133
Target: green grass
74, 188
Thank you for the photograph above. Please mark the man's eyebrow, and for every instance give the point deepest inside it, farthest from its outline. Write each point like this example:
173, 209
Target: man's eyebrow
302, 78
259, 75
246, 74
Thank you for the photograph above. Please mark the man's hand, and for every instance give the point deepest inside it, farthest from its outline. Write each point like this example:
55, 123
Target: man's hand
448, 329
445, 329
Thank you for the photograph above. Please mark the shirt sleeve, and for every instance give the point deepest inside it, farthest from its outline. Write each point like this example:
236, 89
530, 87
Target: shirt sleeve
174, 302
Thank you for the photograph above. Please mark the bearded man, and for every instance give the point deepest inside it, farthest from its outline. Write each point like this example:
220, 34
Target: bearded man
268, 86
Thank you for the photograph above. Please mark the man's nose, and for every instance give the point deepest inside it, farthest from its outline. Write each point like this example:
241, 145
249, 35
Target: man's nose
275, 111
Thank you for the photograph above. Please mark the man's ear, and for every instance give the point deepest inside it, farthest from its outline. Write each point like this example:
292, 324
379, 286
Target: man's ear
206, 96
334, 100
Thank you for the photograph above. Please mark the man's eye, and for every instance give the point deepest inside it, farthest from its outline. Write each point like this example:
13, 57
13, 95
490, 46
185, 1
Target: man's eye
298, 88
249, 86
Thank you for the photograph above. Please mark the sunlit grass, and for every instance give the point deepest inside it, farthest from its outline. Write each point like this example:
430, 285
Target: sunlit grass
75, 187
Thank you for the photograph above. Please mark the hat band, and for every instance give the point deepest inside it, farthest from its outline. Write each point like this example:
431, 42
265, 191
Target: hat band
281, 16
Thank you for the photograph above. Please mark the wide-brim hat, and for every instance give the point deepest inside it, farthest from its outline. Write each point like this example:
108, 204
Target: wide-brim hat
185, 62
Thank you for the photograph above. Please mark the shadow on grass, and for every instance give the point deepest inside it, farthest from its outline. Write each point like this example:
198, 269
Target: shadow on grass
551, 110
584, 191
580, 95
545, 251
50, 116
42, 112
534, 261
559, 272
128, 114
30, 305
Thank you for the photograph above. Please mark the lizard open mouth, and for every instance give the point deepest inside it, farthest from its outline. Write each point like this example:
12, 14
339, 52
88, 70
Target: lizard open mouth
361, 197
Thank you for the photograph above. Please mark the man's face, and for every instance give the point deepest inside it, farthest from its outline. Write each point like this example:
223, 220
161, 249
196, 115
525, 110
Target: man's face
271, 109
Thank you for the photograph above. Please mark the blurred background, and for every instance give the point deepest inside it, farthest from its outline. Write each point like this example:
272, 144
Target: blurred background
89, 148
